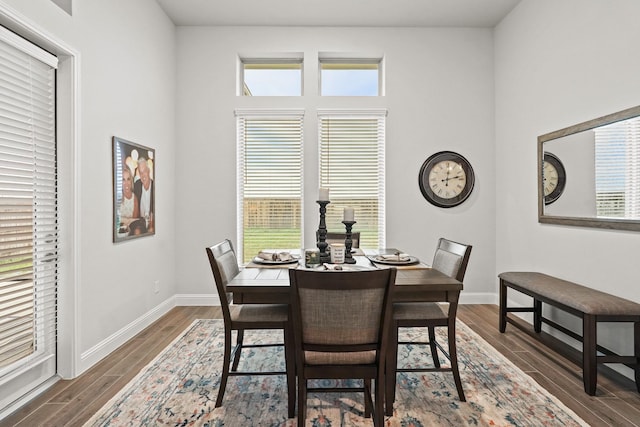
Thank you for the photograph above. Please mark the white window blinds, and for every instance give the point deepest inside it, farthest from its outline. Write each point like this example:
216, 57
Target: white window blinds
352, 166
618, 170
269, 180
28, 207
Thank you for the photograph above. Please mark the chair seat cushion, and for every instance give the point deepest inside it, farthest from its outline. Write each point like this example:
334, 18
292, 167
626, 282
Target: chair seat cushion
268, 313
344, 358
419, 310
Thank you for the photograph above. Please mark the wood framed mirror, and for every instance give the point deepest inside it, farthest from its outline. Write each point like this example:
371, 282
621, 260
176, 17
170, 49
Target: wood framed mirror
601, 161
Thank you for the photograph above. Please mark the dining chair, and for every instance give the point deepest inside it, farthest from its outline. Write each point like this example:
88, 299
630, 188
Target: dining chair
341, 323
243, 317
450, 258
337, 237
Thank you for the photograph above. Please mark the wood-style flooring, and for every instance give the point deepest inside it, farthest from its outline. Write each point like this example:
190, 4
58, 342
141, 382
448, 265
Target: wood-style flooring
72, 402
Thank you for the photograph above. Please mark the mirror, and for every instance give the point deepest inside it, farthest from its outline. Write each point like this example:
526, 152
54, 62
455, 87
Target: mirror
589, 174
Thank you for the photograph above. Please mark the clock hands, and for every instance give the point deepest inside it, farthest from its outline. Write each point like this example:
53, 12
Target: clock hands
447, 179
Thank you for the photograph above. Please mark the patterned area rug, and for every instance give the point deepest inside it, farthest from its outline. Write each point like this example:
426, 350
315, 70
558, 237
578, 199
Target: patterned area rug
180, 386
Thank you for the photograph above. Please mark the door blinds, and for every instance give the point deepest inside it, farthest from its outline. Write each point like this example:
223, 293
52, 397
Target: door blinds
28, 211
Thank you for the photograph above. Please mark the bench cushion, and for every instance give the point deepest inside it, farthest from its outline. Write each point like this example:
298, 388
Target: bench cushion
581, 298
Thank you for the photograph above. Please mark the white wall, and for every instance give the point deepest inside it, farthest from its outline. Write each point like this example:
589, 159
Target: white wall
559, 64
126, 88
439, 94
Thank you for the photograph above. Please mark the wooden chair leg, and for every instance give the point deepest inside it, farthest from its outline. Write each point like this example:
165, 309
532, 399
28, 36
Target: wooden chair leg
225, 367
453, 355
434, 347
367, 398
238, 350
390, 371
290, 362
302, 401
378, 413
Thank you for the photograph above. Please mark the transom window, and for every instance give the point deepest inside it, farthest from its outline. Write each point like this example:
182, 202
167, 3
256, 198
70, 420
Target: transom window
271, 77
355, 77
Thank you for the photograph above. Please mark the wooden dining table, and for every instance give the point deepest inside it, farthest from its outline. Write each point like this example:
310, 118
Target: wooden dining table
261, 284
269, 284
264, 284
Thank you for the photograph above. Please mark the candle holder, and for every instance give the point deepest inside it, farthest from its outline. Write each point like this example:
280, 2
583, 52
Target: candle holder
322, 232
348, 258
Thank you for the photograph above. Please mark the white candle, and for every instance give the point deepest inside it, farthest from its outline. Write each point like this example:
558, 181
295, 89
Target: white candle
324, 194
348, 214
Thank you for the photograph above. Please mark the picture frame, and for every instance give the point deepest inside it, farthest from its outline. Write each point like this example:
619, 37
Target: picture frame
134, 167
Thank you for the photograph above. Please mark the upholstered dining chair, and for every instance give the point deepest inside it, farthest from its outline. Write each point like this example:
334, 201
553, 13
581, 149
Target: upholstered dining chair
450, 258
337, 237
341, 321
243, 317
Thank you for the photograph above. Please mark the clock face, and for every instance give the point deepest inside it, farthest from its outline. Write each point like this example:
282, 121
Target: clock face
554, 178
550, 178
446, 179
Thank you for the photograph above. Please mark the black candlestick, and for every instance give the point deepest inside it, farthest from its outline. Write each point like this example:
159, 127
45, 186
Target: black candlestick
322, 232
348, 258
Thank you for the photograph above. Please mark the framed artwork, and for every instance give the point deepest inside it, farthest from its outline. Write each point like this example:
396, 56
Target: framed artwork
134, 190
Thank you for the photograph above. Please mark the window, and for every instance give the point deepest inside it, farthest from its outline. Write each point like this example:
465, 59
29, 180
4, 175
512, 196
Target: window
271, 77
352, 166
269, 181
617, 170
340, 77
28, 216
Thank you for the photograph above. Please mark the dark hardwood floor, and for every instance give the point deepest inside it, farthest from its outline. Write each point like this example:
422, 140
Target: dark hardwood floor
72, 402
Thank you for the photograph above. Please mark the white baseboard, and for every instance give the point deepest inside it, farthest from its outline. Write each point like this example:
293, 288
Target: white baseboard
478, 298
184, 300
117, 339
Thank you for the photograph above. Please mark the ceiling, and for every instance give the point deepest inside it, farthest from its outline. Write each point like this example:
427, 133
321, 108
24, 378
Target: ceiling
351, 13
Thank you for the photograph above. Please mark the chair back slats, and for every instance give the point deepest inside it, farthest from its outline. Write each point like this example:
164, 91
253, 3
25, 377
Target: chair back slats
342, 316
340, 311
451, 258
224, 266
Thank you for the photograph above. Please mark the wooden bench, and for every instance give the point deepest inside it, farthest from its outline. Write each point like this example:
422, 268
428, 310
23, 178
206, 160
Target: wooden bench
591, 305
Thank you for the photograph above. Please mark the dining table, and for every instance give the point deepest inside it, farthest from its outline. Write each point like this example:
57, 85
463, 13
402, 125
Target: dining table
268, 282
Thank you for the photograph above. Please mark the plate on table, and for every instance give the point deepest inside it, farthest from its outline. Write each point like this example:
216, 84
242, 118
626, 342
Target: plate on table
344, 267
394, 259
258, 260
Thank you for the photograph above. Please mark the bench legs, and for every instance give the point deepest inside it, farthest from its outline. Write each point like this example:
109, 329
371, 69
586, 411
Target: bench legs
536, 309
537, 315
503, 307
589, 354
636, 352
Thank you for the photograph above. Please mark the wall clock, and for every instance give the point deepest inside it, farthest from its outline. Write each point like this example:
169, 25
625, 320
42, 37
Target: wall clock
446, 179
554, 178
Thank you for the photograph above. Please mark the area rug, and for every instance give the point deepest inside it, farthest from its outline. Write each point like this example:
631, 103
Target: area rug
180, 386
